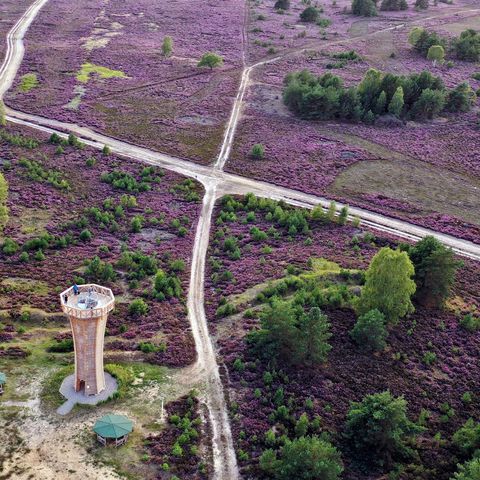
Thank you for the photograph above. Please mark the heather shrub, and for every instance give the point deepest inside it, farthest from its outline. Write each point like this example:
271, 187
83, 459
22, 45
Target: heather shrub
370, 332
305, 458
378, 430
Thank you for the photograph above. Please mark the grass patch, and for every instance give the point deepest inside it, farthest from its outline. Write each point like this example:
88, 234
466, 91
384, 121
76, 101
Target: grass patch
50, 394
88, 69
26, 285
28, 82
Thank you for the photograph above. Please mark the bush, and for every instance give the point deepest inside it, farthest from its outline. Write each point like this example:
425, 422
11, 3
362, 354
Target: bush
166, 286
310, 14
282, 5
467, 46
421, 4
378, 429
85, 235
10, 246
370, 331
211, 60
99, 271
258, 151
394, 5
470, 322
62, 346
307, 458
364, 8
468, 471
467, 438
137, 307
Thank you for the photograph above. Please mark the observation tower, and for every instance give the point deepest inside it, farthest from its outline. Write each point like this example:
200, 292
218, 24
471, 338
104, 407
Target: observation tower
87, 307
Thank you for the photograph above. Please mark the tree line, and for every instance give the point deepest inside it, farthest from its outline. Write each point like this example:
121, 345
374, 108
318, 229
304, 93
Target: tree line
414, 96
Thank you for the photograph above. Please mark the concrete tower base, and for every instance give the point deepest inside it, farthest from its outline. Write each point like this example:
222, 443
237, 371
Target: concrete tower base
67, 389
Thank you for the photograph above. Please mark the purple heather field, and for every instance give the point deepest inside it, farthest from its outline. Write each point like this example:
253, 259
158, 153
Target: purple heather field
165, 103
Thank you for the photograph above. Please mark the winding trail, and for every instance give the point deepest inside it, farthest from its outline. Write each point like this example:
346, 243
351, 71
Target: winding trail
217, 183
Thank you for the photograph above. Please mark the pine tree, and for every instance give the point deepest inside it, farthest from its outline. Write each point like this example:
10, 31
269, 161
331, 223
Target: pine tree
167, 46
381, 103
395, 106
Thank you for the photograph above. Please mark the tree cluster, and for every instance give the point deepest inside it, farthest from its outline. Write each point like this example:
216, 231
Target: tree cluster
416, 96
292, 335
465, 47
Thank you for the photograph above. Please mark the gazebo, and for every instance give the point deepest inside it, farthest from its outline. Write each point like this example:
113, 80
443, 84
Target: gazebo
113, 427
3, 381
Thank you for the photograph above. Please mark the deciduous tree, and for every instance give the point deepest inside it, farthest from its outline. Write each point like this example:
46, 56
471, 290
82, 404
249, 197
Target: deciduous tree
388, 285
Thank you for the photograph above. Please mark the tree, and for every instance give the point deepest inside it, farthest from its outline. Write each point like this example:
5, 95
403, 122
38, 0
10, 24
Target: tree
467, 46
378, 429
397, 102
167, 46
3, 120
381, 103
394, 5
305, 458
301, 427
369, 88
291, 335
414, 35
277, 337
211, 60
364, 8
461, 98
430, 104
370, 332
314, 334
258, 151
435, 268
310, 14
469, 470
426, 40
467, 438
282, 5
388, 285
3, 202
421, 4
436, 53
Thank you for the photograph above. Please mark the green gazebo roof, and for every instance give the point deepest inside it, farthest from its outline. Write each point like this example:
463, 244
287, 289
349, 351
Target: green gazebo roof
113, 426
3, 378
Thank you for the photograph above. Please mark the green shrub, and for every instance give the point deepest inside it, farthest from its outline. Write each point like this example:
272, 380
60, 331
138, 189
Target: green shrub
138, 307
10, 246
470, 322
258, 151
467, 437
370, 332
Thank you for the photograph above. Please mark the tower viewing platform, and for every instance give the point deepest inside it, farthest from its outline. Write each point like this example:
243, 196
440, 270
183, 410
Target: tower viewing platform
87, 307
